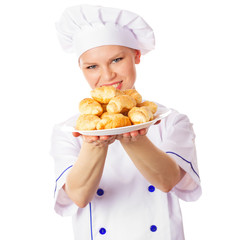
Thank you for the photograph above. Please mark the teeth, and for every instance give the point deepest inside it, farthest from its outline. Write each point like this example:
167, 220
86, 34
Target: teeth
116, 85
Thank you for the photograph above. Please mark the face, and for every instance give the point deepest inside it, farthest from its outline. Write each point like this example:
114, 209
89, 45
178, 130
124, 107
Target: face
110, 65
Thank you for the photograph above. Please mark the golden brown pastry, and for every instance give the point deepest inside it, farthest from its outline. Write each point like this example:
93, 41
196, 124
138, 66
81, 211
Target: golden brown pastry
104, 106
139, 115
105, 93
135, 94
90, 106
121, 104
87, 122
153, 106
105, 114
113, 121
112, 108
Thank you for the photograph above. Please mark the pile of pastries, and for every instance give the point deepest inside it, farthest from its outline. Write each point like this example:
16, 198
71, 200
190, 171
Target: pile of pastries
112, 108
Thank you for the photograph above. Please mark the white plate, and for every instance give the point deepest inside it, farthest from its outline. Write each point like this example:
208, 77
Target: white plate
161, 113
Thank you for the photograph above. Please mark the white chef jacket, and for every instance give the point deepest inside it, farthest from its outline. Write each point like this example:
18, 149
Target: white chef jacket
126, 206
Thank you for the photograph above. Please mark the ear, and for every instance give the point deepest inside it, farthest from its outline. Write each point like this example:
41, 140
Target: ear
137, 56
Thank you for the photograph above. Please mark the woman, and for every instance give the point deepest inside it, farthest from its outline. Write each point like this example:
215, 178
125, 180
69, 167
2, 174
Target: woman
122, 186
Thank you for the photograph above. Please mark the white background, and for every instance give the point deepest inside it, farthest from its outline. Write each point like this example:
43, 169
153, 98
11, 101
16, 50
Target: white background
194, 69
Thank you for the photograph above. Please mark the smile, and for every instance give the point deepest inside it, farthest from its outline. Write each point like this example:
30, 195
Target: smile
116, 85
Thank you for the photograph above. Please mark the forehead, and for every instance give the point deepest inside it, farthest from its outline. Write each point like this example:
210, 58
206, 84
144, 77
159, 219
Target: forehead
104, 53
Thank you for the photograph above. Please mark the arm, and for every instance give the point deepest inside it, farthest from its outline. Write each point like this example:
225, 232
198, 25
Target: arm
84, 177
155, 165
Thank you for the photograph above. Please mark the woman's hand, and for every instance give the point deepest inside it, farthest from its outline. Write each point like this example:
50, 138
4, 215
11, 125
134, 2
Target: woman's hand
99, 141
132, 136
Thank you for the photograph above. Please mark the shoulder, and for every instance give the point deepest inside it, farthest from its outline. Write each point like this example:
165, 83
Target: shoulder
174, 117
176, 124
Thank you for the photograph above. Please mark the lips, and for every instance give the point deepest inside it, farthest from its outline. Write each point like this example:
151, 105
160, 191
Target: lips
117, 85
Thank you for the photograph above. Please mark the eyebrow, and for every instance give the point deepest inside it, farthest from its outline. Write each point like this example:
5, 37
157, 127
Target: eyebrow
86, 63
111, 58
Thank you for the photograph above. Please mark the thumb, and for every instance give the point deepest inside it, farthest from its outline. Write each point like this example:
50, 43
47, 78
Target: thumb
76, 134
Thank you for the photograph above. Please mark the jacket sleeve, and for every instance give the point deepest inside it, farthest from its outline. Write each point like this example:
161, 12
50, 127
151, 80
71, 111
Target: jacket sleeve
179, 142
64, 150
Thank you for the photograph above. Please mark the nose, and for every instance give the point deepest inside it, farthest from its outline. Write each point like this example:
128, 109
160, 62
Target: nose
108, 74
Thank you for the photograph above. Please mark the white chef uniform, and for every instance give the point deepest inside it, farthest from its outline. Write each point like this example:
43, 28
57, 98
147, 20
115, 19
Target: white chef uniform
126, 206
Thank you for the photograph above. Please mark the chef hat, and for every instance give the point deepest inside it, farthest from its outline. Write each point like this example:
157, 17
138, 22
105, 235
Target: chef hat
83, 27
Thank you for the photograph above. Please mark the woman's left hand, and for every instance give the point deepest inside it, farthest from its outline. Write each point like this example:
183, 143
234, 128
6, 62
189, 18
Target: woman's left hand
132, 136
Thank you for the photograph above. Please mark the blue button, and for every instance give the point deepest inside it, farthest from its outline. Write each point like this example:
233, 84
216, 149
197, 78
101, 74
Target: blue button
102, 231
100, 192
153, 228
151, 188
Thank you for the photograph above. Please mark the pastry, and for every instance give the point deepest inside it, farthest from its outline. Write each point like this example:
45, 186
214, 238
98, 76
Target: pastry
112, 108
105, 114
139, 115
116, 120
153, 106
105, 93
134, 93
121, 104
87, 122
104, 106
90, 106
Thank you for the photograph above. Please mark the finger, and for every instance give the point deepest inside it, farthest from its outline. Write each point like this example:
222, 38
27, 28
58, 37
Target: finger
103, 143
143, 131
76, 134
90, 139
134, 134
126, 135
106, 138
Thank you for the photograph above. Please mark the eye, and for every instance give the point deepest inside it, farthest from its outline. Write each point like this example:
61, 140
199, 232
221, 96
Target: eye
117, 60
91, 67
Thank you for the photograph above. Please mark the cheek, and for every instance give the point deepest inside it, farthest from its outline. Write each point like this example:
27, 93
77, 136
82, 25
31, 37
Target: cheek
128, 69
130, 80
131, 73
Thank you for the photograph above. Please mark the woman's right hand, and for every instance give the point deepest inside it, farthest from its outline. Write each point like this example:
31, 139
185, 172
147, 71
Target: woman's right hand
100, 141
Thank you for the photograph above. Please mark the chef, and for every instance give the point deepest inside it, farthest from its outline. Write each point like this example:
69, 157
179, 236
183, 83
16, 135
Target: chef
124, 186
